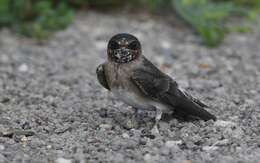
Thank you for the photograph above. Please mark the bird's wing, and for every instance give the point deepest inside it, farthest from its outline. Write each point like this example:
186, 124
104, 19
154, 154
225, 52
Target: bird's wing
197, 101
158, 86
101, 76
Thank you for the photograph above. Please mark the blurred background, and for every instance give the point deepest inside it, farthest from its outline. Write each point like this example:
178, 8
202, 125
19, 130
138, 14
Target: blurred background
210, 19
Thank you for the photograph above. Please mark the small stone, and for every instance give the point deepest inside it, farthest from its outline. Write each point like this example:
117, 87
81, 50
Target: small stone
63, 160
105, 126
222, 123
203, 65
147, 133
2, 147
49, 146
134, 132
24, 139
23, 68
237, 133
166, 44
103, 112
16, 132
126, 121
250, 102
222, 142
142, 141
5, 100
26, 126
125, 135
171, 143
209, 148
165, 151
147, 157
151, 159
187, 161
129, 124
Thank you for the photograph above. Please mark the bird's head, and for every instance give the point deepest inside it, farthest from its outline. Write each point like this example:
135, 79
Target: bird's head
123, 48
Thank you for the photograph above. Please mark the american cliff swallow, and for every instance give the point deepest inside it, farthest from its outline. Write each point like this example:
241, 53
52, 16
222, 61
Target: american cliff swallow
137, 82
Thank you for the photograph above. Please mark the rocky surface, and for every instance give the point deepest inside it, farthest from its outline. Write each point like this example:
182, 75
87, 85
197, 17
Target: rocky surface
52, 108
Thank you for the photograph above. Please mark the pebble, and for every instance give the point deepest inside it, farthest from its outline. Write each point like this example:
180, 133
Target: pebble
23, 68
2, 147
171, 143
24, 139
142, 141
221, 123
222, 142
165, 151
103, 112
49, 146
63, 160
209, 148
125, 135
166, 44
237, 133
26, 126
105, 126
147, 157
151, 159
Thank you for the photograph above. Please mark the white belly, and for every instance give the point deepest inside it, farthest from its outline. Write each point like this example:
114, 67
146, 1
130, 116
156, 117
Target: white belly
131, 98
139, 102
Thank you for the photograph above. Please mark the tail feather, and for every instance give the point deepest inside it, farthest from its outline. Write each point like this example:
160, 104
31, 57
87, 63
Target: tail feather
188, 107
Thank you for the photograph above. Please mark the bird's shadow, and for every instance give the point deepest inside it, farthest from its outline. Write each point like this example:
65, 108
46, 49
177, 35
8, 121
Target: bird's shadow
181, 117
129, 120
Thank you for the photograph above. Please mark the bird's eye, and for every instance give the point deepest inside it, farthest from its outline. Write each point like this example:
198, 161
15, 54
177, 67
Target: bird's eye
113, 45
134, 45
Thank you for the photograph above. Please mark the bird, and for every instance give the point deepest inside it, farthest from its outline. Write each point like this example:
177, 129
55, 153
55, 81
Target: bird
136, 81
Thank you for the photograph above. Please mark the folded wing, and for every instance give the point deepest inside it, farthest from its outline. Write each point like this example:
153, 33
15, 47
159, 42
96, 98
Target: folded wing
160, 87
101, 76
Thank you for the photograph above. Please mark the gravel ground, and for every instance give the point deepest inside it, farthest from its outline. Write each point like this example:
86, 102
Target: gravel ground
52, 108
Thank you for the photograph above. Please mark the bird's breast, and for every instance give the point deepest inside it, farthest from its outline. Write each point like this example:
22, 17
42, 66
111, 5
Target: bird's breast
131, 98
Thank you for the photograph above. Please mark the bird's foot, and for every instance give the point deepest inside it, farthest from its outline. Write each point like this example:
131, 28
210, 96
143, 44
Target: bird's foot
144, 114
144, 118
126, 120
151, 133
155, 129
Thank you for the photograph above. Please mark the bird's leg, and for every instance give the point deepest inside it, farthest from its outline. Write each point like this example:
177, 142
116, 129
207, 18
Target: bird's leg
158, 116
144, 117
138, 116
141, 113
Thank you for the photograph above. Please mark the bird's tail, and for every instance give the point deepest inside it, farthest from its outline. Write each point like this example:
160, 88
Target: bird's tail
188, 107
191, 108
